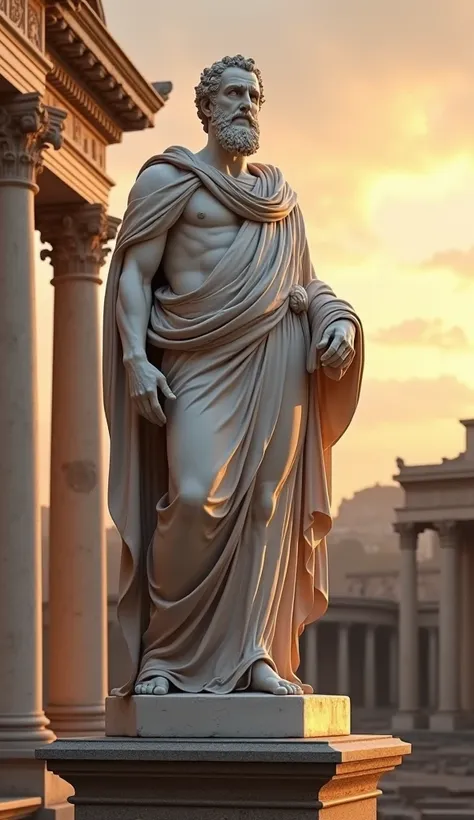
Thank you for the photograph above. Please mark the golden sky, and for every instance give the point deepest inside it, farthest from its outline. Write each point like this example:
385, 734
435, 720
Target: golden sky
370, 115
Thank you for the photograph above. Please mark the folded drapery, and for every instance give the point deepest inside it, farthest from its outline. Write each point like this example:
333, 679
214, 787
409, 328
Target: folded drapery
245, 458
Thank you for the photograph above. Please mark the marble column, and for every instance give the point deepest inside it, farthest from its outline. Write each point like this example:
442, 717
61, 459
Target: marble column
77, 557
432, 667
26, 129
311, 656
447, 716
343, 660
370, 668
407, 716
467, 628
393, 668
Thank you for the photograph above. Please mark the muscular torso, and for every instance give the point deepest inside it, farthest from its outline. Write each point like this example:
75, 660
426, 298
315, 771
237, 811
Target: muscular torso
199, 240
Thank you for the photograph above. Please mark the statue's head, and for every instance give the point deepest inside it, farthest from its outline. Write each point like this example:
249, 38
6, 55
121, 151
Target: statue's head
228, 100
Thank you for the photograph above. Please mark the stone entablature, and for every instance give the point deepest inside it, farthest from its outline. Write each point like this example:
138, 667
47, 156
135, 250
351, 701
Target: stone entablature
438, 492
79, 133
76, 35
386, 584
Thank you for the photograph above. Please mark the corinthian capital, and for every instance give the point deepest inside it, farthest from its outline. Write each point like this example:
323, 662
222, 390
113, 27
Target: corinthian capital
448, 532
27, 128
78, 235
408, 534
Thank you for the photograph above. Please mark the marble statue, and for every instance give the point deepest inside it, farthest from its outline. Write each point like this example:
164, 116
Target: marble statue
230, 371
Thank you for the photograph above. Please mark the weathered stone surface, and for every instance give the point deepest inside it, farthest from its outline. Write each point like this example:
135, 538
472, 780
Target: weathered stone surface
246, 715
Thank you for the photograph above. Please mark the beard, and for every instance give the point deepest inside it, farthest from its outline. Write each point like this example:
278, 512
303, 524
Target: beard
235, 139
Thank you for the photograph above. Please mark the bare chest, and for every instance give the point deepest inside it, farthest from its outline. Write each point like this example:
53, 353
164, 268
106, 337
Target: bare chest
204, 211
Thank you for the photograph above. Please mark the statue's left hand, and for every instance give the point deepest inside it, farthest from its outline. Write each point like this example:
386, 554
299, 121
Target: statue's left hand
336, 348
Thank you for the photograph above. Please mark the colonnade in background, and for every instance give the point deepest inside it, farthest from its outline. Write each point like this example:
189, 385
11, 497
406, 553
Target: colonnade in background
450, 679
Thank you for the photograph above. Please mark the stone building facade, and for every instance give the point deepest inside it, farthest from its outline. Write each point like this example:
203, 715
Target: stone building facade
67, 92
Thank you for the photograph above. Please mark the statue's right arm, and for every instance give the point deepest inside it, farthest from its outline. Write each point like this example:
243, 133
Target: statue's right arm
134, 302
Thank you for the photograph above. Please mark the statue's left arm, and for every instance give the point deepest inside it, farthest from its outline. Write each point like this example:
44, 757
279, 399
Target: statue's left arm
334, 325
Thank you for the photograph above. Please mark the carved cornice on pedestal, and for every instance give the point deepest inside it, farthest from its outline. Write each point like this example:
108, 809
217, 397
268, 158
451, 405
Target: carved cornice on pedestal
78, 235
27, 128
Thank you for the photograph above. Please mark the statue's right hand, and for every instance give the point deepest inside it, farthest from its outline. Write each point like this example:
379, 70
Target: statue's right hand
144, 380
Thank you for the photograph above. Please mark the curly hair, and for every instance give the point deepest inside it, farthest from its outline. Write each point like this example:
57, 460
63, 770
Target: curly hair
211, 80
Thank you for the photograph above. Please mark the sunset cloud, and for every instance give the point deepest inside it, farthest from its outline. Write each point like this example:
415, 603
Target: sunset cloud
457, 261
423, 333
413, 402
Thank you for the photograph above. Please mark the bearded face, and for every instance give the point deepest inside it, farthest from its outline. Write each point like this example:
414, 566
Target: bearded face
232, 134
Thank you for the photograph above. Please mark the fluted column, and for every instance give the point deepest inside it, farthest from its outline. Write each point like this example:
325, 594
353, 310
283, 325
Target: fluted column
77, 559
467, 627
432, 667
26, 129
311, 656
446, 718
407, 716
343, 664
393, 668
370, 668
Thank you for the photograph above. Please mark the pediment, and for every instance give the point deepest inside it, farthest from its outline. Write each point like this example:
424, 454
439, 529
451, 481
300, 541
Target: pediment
96, 5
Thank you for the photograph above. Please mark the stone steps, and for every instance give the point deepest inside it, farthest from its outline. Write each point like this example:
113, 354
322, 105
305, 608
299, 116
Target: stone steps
448, 814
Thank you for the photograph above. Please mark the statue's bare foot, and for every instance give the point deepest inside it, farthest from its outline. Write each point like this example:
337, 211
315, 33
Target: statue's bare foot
155, 686
264, 679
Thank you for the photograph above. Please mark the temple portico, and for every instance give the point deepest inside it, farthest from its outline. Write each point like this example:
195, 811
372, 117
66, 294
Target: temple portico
438, 498
67, 91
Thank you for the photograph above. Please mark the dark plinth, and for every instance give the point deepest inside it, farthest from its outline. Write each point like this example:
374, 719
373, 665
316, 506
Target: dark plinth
307, 779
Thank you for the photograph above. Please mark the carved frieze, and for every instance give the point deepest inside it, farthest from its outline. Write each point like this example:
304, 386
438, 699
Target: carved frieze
35, 24
79, 133
28, 17
18, 13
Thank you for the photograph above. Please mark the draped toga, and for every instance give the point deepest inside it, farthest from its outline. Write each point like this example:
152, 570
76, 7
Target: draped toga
200, 606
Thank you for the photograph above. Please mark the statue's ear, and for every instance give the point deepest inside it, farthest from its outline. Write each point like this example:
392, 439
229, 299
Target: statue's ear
206, 107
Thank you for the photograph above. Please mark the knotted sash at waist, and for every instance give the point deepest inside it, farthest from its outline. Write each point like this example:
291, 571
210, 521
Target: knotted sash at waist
299, 305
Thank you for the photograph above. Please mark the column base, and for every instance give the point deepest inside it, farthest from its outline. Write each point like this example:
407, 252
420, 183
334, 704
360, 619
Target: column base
451, 721
408, 721
77, 720
24, 732
209, 779
23, 779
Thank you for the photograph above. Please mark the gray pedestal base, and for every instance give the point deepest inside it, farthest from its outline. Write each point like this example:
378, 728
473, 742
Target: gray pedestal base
137, 779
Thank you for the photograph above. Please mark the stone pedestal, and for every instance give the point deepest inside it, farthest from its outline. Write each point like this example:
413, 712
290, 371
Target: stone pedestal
245, 715
301, 779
